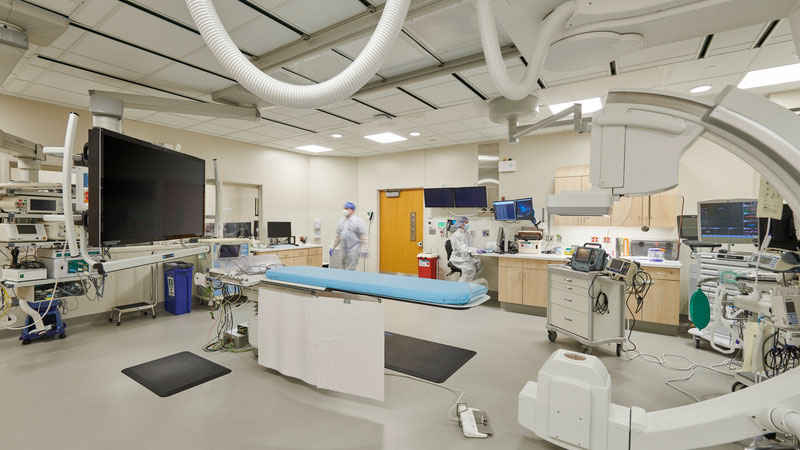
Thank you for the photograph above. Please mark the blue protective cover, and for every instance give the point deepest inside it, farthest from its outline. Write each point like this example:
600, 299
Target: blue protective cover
380, 285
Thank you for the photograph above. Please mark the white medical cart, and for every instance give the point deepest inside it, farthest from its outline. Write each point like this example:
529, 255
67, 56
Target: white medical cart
573, 312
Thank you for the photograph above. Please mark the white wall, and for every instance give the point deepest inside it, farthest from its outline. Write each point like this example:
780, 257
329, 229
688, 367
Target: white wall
296, 187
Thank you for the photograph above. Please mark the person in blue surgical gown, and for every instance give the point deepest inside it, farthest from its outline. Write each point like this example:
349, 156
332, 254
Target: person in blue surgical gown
351, 238
462, 257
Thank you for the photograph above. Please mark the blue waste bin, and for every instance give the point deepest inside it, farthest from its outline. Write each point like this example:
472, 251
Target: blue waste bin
178, 287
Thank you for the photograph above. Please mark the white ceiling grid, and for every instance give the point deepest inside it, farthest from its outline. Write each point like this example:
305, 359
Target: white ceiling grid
150, 47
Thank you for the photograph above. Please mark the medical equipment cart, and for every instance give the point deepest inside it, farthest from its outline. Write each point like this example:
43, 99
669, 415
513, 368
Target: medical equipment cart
585, 306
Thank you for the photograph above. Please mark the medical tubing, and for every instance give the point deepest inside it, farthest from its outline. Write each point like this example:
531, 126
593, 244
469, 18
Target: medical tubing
550, 28
334, 90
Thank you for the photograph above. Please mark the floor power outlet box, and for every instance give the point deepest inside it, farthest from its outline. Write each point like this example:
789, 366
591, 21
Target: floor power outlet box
238, 336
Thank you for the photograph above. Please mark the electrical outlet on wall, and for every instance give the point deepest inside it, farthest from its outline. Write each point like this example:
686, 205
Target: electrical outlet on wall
485, 233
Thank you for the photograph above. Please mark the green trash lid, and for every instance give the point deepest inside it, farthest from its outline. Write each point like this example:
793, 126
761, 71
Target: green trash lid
699, 310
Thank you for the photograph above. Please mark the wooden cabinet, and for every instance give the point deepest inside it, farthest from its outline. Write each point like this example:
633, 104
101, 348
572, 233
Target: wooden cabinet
662, 304
655, 211
315, 257
523, 281
509, 280
300, 257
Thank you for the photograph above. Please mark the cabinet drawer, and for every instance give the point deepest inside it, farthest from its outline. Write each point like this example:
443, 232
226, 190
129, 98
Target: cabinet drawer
511, 262
577, 301
569, 288
538, 264
664, 274
569, 320
316, 251
569, 280
301, 252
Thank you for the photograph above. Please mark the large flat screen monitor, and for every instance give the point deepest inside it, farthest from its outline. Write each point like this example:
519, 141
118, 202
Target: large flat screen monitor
142, 192
440, 198
728, 221
279, 229
505, 210
524, 209
471, 197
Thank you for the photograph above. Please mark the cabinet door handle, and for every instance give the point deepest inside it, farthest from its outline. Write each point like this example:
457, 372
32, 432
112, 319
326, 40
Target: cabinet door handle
567, 319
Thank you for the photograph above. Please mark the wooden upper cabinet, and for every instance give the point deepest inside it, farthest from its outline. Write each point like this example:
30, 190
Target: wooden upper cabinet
628, 212
663, 209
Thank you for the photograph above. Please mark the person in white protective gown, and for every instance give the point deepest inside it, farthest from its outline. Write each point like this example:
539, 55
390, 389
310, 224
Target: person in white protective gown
351, 237
462, 257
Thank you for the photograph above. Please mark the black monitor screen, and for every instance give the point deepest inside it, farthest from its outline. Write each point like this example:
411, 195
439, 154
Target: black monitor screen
784, 235
471, 197
440, 198
505, 210
728, 222
141, 192
582, 254
524, 209
687, 227
279, 229
229, 251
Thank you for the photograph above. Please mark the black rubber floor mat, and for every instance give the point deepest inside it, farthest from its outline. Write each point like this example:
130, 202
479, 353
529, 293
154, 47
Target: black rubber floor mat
423, 359
175, 373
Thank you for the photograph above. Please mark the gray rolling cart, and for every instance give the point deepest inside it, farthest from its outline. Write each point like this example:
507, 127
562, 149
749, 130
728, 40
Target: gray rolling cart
572, 312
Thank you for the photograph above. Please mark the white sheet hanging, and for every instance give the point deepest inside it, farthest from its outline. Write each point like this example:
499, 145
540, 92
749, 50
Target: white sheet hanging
326, 342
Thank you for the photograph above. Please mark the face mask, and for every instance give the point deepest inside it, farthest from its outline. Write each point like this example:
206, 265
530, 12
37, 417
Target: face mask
466, 227
346, 212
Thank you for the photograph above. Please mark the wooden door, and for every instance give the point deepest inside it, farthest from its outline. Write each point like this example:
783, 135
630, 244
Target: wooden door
568, 184
593, 221
401, 230
509, 284
628, 212
534, 287
664, 209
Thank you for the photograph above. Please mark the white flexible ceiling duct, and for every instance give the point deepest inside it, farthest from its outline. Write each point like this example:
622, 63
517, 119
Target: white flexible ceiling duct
337, 89
551, 26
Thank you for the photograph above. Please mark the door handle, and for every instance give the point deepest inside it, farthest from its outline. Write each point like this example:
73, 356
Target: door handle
419, 244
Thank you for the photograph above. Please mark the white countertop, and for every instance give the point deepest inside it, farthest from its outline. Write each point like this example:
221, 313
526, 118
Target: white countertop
280, 249
554, 257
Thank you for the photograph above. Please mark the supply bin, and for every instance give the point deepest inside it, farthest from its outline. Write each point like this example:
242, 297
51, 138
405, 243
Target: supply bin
178, 287
428, 265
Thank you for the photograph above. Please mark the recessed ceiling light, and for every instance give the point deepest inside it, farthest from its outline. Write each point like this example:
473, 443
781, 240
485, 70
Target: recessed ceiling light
488, 158
699, 89
314, 148
768, 77
336, 135
415, 134
385, 138
589, 105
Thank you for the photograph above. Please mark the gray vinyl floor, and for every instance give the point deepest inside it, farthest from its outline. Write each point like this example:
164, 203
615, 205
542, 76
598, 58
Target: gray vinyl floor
70, 394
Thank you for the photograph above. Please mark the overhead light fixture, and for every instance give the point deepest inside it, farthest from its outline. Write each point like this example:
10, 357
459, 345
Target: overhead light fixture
314, 148
336, 135
385, 138
589, 105
768, 77
415, 134
488, 158
700, 89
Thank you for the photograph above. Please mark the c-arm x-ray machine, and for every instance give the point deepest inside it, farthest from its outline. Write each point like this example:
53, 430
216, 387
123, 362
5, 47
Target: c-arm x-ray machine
570, 405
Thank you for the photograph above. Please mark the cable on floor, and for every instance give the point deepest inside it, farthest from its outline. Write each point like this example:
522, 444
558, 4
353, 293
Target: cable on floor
459, 392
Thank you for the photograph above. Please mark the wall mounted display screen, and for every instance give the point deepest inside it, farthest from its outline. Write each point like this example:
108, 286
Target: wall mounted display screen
440, 198
505, 210
279, 229
142, 192
471, 197
524, 209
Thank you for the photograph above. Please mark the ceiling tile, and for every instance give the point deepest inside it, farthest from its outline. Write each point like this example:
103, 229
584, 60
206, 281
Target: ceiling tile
445, 94
236, 124
73, 83
210, 128
713, 66
396, 102
54, 95
273, 131
192, 78
93, 11
660, 55
151, 32
325, 13
246, 136
262, 35
15, 86
404, 57
232, 12
114, 53
774, 55
203, 57
68, 38
65, 7
353, 111
734, 40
